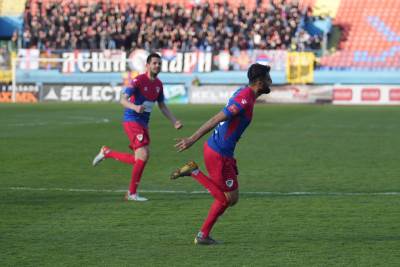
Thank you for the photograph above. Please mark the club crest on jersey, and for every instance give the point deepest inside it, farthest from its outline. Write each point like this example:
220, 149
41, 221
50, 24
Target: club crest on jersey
158, 89
145, 89
233, 109
229, 183
139, 137
244, 101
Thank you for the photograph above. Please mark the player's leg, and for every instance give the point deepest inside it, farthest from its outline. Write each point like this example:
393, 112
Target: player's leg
192, 169
229, 182
122, 157
224, 176
214, 163
106, 152
216, 210
233, 197
220, 199
142, 155
139, 143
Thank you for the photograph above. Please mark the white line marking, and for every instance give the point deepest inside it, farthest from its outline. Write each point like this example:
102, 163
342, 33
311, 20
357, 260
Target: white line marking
34, 124
205, 192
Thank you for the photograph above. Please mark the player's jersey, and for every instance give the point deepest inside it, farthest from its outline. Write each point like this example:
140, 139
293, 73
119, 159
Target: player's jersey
143, 91
239, 111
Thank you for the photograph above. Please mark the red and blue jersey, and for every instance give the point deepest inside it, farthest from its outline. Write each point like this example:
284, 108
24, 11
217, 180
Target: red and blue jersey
239, 111
143, 91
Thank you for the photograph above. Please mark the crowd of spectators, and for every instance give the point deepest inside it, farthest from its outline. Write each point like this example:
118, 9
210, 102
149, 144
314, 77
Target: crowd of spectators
201, 27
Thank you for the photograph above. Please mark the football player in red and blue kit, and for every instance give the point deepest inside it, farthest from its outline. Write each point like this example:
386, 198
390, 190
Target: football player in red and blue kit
229, 124
138, 99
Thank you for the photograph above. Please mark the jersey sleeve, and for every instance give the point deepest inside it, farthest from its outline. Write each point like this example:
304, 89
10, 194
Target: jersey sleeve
233, 108
161, 97
130, 89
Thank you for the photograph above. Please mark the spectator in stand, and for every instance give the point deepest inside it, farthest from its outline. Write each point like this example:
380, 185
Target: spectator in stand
202, 27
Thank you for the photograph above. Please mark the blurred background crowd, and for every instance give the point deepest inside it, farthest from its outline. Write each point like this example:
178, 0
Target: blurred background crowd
201, 26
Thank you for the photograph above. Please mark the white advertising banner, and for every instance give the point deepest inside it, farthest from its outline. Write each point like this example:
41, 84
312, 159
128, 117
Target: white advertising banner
220, 94
211, 94
366, 95
81, 93
103, 93
298, 94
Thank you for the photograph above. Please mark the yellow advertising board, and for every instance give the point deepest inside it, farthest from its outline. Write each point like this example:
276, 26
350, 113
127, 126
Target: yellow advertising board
300, 67
5, 76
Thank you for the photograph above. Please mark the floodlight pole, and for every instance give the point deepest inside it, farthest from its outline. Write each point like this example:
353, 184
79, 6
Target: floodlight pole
13, 83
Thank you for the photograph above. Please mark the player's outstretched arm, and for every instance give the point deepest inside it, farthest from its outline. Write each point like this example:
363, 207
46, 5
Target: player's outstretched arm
168, 114
185, 143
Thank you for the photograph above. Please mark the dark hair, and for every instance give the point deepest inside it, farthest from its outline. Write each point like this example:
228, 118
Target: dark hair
152, 55
257, 71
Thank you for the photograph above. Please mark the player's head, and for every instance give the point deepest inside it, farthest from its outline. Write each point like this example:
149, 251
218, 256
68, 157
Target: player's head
259, 78
153, 64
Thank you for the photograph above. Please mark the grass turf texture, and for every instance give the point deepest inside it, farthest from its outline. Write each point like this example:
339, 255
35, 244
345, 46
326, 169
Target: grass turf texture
288, 148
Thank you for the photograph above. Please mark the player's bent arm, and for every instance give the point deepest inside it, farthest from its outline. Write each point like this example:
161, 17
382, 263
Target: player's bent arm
168, 114
125, 102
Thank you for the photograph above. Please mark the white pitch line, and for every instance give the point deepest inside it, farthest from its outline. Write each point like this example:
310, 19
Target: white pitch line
34, 124
205, 192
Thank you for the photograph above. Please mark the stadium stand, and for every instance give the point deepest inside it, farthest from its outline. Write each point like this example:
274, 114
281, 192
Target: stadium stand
180, 25
141, 5
371, 36
369, 39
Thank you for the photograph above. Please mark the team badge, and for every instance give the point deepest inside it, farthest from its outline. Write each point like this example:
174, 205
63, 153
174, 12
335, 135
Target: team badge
158, 89
244, 101
139, 137
145, 89
233, 109
229, 183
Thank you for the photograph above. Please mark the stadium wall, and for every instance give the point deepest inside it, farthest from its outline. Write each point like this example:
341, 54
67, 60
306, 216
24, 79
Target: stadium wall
348, 94
192, 77
218, 77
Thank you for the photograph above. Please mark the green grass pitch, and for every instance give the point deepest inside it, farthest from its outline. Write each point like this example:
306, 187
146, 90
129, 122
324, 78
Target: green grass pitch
344, 160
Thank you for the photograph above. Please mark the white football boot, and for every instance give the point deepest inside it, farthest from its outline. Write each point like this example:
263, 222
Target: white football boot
101, 155
134, 197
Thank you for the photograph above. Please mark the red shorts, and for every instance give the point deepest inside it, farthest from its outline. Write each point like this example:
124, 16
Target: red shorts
137, 134
222, 170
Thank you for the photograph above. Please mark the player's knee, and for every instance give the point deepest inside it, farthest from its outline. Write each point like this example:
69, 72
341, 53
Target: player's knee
146, 157
234, 202
232, 198
142, 157
142, 154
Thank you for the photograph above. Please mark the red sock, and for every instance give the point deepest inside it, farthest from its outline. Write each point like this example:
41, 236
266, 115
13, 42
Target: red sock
123, 157
216, 210
136, 175
217, 193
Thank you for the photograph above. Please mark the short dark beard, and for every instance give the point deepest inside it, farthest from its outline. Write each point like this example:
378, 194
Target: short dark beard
153, 74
